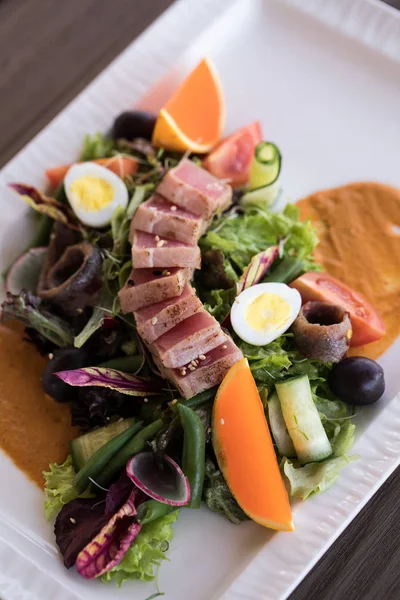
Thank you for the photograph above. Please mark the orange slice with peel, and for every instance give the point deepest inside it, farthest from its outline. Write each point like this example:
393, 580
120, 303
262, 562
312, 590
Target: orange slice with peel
245, 453
193, 118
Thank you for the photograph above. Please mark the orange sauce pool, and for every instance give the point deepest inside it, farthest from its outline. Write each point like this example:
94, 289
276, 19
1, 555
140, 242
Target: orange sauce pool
359, 230
34, 429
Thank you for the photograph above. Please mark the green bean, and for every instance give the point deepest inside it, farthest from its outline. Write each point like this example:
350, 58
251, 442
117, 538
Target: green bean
102, 456
194, 453
127, 364
290, 268
132, 447
151, 510
199, 399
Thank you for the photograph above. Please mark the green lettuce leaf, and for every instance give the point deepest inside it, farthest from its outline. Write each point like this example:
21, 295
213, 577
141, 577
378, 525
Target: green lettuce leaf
97, 146
146, 553
59, 488
241, 236
29, 310
344, 438
219, 302
218, 497
314, 478
280, 359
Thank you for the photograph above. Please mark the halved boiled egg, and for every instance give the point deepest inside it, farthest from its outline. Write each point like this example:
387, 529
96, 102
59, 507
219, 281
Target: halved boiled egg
94, 193
264, 311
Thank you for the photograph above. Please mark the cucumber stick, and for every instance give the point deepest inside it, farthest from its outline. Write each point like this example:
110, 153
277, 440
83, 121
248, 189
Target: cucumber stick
278, 427
83, 447
302, 420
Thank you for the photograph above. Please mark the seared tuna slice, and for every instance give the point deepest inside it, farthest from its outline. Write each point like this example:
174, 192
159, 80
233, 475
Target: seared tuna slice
152, 251
206, 371
195, 189
158, 216
155, 320
196, 335
147, 286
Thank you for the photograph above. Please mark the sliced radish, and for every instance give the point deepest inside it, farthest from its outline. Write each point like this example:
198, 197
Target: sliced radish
158, 476
25, 272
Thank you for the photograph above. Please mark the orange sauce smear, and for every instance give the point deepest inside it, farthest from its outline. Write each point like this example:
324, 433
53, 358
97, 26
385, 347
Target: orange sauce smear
35, 430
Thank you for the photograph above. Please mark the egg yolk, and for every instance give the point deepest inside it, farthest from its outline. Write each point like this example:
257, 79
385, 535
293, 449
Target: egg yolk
92, 193
268, 312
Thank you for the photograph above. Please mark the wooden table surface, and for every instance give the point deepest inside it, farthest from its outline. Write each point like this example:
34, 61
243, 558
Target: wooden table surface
49, 51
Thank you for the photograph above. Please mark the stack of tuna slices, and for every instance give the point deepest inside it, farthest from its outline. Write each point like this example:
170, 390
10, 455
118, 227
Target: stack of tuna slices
187, 343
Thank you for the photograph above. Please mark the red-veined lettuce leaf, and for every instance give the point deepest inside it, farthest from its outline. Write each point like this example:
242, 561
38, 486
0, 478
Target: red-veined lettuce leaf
109, 547
45, 204
253, 273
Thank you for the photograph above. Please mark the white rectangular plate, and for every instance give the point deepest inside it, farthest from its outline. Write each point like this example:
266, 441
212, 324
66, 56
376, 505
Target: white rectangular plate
326, 88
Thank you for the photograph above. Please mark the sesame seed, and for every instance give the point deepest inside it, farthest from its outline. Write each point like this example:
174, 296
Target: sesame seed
209, 430
166, 272
145, 399
224, 347
174, 208
202, 357
51, 356
174, 401
73, 521
157, 238
222, 421
154, 320
192, 368
120, 420
79, 310
194, 362
183, 371
161, 243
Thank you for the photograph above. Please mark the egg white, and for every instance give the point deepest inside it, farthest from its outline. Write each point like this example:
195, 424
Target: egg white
242, 301
101, 217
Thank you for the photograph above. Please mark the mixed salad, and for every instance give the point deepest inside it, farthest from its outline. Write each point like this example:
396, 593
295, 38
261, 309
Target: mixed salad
184, 321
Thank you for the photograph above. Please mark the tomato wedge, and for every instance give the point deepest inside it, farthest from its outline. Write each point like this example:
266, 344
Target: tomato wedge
232, 158
121, 165
367, 324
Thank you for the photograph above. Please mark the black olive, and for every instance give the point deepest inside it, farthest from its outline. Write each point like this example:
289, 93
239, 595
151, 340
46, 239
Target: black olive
134, 124
357, 380
63, 360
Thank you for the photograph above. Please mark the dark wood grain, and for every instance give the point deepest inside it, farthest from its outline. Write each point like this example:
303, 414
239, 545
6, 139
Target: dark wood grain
49, 51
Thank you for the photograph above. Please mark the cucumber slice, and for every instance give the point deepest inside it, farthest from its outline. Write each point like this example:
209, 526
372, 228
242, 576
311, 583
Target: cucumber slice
83, 447
279, 430
266, 165
302, 420
264, 174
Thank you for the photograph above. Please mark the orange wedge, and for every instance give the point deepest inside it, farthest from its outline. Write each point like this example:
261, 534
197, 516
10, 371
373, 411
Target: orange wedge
244, 450
193, 118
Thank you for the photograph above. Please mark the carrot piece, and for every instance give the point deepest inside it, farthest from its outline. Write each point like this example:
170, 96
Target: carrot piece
245, 453
121, 165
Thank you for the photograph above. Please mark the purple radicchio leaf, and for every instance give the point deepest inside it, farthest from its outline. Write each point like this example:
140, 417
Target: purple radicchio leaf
109, 547
253, 273
45, 204
160, 478
76, 525
125, 383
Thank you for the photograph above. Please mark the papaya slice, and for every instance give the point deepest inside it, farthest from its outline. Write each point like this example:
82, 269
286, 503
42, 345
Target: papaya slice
245, 453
